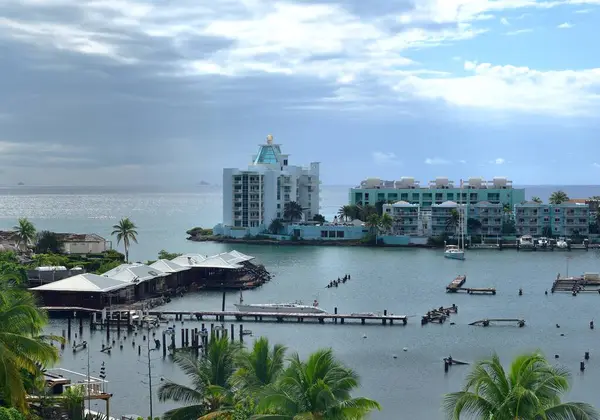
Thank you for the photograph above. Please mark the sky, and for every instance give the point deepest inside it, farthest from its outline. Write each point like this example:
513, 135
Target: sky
105, 92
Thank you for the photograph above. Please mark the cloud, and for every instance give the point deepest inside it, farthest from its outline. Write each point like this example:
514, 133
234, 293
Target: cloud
385, 158
565, 25
512, 88
518, 32
583, 11
462, 161
504, 21
596, 165
498, 161
436, 161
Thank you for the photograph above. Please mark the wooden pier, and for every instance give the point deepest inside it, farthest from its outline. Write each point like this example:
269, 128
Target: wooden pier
486, 322
456, 286
438, 315
589, 282
320, 318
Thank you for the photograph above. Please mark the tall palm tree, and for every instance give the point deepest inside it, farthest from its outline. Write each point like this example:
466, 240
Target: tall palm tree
22, 347
386, 222
259, 367
452, 222
372, 223
536, 199
319, 388
530, 390
364, 212
25, 231
126, 232
210, 379
346, 212
558, 197
292, 211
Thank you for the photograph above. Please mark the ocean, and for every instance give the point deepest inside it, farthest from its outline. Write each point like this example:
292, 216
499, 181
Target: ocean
403, 281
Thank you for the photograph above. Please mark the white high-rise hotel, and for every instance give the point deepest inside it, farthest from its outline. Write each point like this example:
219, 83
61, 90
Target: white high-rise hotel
256, 196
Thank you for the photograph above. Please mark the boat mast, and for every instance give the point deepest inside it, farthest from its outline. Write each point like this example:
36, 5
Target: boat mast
461, 220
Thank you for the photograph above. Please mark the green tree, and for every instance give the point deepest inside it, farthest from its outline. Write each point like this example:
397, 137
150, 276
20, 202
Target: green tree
373, 223
386, 222
25, 232
536, 200
10, 414
259, 367
165, 255
452, 222
210, 379
22, 347
319, 218
126, 232
530, 390
319, 388
48, 243
276, 226
558, 197
292, 211
72, 400
364, 212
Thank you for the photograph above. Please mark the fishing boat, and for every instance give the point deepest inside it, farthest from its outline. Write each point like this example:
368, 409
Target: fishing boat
280, 308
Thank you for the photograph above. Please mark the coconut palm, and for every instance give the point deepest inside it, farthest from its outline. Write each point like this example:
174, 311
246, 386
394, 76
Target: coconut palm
558, 197
25, 232
259, 367
319, 388
452, 222
364, 212
127, 233
386, 222
347, 212
536, 200
292, 211
530, 390
373, 223
72, 400
210, 379
22, 348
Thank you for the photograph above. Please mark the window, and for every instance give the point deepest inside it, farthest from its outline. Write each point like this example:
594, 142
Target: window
556, 210
323, 234
285, 162
340, 233
557, 219
546, 219
332, 233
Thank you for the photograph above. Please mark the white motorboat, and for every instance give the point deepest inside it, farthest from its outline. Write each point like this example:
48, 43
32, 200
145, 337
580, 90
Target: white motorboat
562, 243
543, 242
280, 308
526, 242
454, 252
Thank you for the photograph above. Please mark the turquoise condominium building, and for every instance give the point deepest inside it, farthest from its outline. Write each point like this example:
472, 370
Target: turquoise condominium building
475, 190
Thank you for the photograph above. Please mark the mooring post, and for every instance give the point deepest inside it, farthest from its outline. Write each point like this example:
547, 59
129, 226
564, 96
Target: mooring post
383, 321
64, 336
182, 338
92, 326
173, 341
232, 332
187, 337
335, 320
119, 324
108, 329
241, 333
69, 327
223, 305
164, 344
212, 331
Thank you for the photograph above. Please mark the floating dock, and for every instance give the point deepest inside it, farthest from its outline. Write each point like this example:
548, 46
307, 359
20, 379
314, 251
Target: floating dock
456, 286
438, 315
486, 322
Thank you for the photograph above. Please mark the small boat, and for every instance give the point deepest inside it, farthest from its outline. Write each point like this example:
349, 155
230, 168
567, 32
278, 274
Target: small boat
363, 314
543, 242
562, 243
280, 308
454, 252
526, 242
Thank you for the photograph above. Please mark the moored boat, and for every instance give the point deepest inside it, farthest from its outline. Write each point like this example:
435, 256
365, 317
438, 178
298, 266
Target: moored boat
280, 308
454, 252
526, 242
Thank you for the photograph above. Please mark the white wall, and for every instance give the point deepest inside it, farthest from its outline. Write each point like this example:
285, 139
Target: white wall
270, 196
228, 196
85, 247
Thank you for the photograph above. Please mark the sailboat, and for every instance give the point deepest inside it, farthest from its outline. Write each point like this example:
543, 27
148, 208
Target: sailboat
457, 252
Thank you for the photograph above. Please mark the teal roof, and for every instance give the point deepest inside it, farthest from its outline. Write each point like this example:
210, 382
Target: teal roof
268, 154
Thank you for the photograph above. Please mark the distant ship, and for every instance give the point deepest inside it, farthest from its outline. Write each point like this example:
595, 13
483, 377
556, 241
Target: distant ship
21, 183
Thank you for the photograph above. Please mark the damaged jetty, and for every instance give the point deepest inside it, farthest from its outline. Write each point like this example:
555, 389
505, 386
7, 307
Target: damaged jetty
161, 280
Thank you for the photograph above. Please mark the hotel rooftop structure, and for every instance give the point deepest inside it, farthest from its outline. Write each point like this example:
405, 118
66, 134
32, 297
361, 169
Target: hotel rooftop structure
499, 190
256, 195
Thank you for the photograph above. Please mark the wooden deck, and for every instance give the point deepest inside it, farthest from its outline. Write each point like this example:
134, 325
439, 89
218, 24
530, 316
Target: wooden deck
456, 286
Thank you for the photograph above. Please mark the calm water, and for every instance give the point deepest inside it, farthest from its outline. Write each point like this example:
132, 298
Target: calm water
400, 280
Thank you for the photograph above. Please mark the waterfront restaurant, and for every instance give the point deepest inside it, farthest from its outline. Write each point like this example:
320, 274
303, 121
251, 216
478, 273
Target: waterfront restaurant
148, 281
86, 291
175, 272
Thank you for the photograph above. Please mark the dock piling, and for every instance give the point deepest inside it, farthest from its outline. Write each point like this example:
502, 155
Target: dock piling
335, 321
232, 332
69, 327
164, 344
241, 333
187, 337
118, 323
182, 338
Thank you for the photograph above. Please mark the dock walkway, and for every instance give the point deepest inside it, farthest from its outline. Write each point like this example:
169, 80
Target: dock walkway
456, 286
486, 322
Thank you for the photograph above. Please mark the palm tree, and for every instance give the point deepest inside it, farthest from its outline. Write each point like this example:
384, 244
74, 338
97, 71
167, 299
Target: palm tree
210, 379
386, 222
345, 212
276, 226
319, 388
558, 197
22, 347
531, 389
260, 367
126, 232
452, 222
364, 212
292, 211
72, 400
373, 223
536, 199
25, 232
